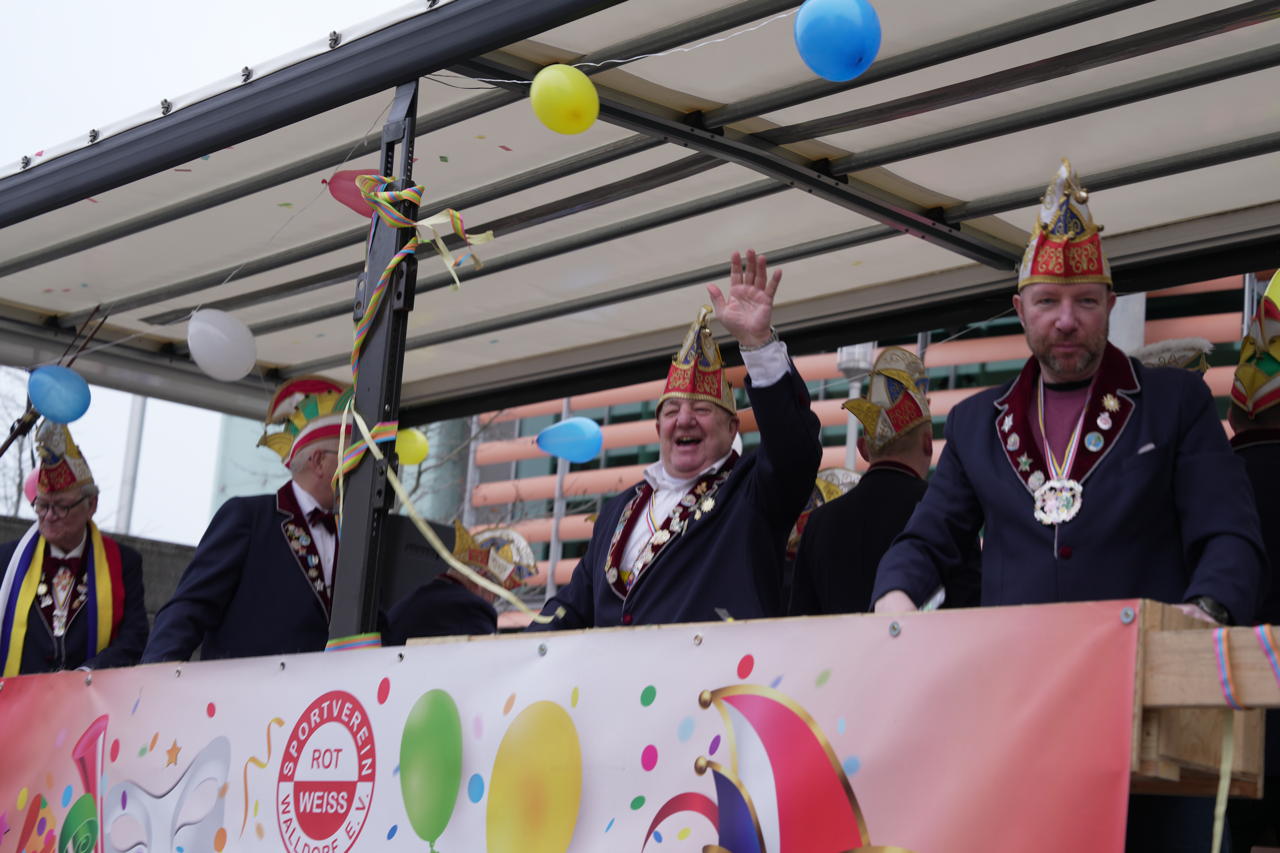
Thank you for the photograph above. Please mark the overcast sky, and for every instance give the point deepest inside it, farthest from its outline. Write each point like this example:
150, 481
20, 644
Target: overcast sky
81, 64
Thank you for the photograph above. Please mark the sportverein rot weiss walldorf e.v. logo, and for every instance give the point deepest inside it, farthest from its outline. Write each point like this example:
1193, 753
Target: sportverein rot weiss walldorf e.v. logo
326, 776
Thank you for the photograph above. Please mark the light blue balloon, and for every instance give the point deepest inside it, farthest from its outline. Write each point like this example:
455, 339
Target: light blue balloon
837, 39
58, 393
575, 439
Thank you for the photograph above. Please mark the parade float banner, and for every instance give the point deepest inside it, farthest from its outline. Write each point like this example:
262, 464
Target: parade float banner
1004, 729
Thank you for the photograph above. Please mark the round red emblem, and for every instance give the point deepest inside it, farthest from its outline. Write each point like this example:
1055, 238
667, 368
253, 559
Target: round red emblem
326, 776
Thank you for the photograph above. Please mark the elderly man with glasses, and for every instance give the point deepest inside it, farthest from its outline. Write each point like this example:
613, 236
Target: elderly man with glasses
70, 597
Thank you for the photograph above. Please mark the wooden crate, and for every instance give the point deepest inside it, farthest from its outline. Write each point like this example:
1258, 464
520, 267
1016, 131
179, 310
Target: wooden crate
1179, 710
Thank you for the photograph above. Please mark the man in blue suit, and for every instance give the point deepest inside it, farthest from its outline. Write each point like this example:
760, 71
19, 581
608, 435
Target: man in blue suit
704, 535
262, 575
70, 596
1090, 476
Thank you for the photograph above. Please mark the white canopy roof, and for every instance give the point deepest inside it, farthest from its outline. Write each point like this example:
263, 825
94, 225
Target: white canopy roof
899, 201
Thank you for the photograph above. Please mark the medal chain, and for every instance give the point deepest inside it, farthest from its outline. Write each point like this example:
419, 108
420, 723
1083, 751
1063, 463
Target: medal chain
1059, 472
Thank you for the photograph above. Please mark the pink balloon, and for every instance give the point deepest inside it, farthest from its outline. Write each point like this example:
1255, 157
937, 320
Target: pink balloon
342, 186
29, 485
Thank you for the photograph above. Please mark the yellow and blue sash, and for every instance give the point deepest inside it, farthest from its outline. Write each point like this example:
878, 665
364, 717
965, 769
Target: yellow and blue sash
22, 577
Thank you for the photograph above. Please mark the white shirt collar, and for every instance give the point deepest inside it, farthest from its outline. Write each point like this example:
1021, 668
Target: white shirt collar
306, 503
657, 476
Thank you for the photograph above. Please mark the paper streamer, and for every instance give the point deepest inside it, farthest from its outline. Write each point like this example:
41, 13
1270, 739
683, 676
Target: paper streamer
260, 763
430, 535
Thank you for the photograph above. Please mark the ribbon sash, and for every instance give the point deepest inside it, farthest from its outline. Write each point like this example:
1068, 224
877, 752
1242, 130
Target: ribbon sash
22, 576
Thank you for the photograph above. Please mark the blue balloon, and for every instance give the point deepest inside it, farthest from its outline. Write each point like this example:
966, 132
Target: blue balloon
575, 439
58, 393
837, 39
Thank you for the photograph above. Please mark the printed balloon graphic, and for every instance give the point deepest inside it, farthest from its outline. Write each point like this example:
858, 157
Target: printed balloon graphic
431, 764
564, 99
539, 754
58, 393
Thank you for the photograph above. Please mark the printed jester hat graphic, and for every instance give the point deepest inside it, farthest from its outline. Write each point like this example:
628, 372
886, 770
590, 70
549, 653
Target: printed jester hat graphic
782, 790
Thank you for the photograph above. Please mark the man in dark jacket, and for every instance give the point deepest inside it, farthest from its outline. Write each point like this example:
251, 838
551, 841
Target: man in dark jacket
844, 540
1091, 477
70, 596
261, 578
1255, 418
704, 535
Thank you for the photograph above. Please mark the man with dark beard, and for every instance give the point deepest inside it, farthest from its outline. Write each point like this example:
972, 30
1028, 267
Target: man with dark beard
1091, 476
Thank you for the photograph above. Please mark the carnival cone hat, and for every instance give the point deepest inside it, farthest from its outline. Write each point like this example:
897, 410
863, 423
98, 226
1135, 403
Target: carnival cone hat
61, 463
310, 409
1187, 353
697, 371
1065, 245
1257, 381
895, 400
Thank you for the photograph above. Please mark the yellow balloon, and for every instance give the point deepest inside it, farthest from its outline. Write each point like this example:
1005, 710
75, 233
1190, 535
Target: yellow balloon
564, 99
536, 784
411, 446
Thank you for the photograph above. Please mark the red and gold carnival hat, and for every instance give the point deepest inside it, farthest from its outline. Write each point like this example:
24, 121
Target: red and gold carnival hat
895, 399
697, 371
499, 552
61, 464
310, 408
1257, 381
1065, 245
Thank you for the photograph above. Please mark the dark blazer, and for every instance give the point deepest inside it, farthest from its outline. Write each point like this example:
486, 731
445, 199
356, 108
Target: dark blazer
1166, 511
244, 592
42, 652
844, 540
1260, 451
730, 558
440, 608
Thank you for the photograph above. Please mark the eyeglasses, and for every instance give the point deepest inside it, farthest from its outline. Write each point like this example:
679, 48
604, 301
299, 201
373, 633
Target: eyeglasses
43, 508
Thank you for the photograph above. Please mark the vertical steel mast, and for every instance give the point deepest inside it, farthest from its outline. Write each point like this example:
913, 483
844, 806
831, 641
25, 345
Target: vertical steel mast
368, 498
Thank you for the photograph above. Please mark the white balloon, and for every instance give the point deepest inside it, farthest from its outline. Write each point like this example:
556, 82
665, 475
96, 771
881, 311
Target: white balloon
221, 345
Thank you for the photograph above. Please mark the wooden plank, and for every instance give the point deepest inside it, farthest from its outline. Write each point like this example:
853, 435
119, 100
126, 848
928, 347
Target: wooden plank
1180, 670
1179, 710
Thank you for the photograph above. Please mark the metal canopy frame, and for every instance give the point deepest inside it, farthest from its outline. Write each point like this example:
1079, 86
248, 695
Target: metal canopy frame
480, 39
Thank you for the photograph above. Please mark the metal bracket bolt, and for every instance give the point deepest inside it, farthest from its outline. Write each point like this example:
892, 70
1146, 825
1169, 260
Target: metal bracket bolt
1127, 615
894, 629
542, 650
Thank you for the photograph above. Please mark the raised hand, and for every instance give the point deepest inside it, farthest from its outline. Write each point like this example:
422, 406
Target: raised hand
747, 312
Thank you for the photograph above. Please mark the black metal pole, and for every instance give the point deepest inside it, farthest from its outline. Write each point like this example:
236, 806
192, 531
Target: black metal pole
367, 499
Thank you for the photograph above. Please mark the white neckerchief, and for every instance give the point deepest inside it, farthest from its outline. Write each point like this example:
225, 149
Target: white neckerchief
326, 542
667, 492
